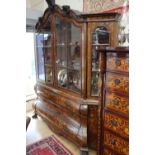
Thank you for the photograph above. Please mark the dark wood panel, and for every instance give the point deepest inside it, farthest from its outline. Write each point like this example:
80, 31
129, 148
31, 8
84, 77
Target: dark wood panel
92, 126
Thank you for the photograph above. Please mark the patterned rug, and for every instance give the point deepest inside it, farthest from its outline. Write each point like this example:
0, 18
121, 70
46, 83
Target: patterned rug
48, 146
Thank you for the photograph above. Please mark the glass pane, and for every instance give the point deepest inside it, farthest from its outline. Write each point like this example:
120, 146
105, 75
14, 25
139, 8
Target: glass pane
74, 58
40, 55
99, 36
47, 48
68, 55
74, 80
62, 77
61, 41
95, 72
48, 56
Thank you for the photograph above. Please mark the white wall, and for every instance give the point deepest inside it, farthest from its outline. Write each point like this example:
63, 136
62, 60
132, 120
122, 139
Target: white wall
41, 5
36, 8
74, 4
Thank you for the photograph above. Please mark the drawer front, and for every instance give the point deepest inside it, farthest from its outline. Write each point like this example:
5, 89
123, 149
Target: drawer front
117, 124
117, 103
47, 93
117, 63
116, 143
117, 82
108, 152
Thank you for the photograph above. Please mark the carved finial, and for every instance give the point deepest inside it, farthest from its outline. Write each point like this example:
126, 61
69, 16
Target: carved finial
50, 3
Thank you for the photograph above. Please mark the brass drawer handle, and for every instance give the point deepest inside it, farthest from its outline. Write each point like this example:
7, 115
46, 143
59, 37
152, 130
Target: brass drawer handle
113, 141
114, 122
118, 62
116, 101
117, 81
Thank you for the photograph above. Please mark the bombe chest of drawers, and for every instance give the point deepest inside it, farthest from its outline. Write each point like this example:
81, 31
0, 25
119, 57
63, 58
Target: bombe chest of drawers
113, 129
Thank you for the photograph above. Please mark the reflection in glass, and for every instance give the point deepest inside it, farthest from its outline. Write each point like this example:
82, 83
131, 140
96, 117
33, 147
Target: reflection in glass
62, 77
100, 36
43, 48
48, 56
40, 55
68, 55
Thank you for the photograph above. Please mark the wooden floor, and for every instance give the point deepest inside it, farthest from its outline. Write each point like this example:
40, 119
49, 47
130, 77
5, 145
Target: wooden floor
38, 130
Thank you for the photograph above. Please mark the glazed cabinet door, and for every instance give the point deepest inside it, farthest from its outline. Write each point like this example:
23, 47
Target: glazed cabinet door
68, 48
98, 34
43, 48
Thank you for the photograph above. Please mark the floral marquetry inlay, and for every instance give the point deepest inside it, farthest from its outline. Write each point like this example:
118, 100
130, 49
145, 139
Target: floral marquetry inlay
108, 152
116, 143
118, 64
117, 82
117, 124
117, 103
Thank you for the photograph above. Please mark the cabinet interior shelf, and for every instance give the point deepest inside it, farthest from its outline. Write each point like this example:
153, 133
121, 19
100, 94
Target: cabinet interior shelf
44, 46
100, 44
69, 68
48, 65
65, 45
95, 70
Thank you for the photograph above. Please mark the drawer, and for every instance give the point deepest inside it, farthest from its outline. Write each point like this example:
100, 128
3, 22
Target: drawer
108, 152
117, 102
117, 63
48, 94
116, 123
69, 105
117, 82
116, 143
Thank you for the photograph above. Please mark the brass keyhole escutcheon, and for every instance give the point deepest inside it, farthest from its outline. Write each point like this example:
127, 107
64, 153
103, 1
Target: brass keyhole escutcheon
114, 122
113, 141
117, 81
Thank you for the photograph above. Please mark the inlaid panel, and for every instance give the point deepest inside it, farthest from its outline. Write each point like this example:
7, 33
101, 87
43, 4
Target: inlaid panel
108, 152
117, 82
116, 123
116, 143
117, 102
117, 63
92, 126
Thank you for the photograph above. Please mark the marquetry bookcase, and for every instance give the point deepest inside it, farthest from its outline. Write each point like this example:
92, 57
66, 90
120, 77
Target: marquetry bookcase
67, 66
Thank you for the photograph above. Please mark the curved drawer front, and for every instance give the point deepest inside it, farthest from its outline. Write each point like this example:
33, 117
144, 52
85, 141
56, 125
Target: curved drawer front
47, 93
117, 63
117, 82
115, 143
117, 124
117, 103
